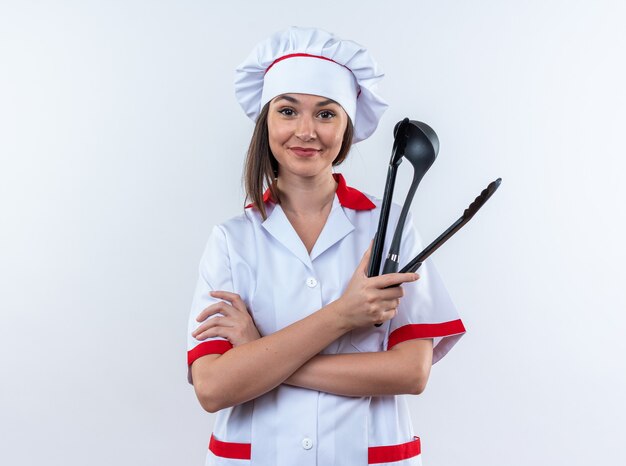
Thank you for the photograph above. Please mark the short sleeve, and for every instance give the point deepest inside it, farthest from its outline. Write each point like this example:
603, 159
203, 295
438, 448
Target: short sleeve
214, 274
426, 310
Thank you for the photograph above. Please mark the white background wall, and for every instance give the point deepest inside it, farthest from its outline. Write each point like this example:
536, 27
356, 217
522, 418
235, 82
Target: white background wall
121, 144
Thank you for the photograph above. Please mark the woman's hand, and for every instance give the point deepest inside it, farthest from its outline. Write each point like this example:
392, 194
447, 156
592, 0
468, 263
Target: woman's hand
366, 301
236, 325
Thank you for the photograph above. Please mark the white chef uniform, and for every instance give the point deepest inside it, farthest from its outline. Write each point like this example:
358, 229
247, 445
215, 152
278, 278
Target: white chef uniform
267, 264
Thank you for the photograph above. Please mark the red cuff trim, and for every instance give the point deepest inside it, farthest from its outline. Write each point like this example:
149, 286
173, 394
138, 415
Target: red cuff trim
392, 453
235, 451
208, 347
412, 331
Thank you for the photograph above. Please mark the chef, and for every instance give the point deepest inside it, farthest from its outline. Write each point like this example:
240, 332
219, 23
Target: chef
282, 343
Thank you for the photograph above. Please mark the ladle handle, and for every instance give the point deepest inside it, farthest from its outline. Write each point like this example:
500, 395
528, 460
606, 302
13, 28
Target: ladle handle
379, 240
391, 264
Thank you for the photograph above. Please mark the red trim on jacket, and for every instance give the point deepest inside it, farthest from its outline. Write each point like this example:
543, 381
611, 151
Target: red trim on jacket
208, 347
348, 197
392, 453
412, 331
375, 455
235, 451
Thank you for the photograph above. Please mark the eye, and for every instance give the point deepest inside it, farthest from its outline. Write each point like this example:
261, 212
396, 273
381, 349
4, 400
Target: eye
287, 111
326, 114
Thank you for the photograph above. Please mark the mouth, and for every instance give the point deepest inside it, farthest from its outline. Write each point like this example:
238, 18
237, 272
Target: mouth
304, 151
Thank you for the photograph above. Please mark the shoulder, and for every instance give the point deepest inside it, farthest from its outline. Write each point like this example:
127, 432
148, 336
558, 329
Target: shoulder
232, 238
239, 226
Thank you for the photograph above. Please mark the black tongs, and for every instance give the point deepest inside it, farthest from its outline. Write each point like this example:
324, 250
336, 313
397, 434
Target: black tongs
418, 143
456, 226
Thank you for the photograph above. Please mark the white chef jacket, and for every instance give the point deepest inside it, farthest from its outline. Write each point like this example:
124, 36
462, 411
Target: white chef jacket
267, 264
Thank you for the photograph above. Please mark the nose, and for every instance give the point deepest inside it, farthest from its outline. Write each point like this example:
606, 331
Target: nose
305, 130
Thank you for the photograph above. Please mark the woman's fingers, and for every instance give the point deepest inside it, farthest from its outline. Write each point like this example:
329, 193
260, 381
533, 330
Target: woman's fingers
394, 279
390, 293
222, 332
386, 309
390, 304
234, 303
371, 299
235, 323
209, 327
216, 308
387, 315
233, 298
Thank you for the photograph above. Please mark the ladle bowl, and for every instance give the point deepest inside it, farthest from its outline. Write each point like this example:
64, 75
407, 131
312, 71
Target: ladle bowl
419, 145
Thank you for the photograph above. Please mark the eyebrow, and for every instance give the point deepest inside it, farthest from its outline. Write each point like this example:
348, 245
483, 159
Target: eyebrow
293, 100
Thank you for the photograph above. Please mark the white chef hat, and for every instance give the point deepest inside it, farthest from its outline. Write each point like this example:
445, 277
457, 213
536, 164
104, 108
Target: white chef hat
312, 61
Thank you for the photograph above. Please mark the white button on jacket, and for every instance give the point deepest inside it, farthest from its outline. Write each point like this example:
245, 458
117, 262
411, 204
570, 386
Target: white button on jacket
266, 263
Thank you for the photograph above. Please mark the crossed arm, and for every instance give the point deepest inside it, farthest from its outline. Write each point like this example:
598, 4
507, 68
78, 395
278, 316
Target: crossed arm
260, 364
402, 370
291, 356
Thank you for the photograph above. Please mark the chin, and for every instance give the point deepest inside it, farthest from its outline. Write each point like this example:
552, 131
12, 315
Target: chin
305, 172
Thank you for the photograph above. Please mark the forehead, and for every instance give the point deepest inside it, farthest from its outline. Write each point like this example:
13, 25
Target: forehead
308, 99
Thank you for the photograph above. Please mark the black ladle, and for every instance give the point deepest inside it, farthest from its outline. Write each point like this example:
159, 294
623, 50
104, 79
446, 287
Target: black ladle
421, 148
418, 143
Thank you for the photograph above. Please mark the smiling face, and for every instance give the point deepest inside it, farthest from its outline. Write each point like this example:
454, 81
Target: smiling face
305, 133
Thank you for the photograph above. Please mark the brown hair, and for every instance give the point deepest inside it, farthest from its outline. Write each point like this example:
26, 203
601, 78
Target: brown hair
261, 167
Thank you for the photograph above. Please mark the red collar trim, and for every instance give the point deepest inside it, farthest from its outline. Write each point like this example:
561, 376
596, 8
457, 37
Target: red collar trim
348, 197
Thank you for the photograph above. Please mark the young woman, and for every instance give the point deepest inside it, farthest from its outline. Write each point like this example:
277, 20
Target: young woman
282, 340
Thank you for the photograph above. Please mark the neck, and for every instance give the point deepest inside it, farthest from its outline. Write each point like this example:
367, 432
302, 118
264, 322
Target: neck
306, 196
